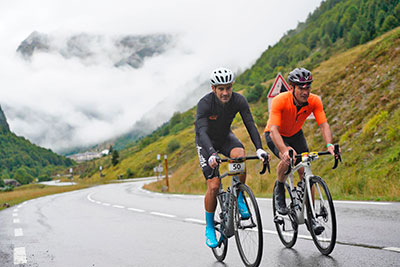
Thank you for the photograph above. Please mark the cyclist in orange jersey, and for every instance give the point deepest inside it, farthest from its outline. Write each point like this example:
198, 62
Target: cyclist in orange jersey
283, 132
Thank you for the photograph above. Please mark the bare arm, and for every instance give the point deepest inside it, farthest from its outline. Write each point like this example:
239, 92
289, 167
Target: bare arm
327, 135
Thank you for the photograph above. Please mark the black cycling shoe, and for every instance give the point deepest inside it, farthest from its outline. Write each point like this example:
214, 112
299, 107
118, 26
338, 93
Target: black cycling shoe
280, 203
317, 227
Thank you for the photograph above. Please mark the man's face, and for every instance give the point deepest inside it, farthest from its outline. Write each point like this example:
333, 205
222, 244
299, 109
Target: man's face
223, 92
302, 93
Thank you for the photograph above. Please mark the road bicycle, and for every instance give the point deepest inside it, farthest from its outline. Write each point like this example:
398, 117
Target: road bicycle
311, 194
228, 221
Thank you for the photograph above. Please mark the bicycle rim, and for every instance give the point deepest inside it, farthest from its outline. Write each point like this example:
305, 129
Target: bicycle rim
220, 251
285, 225
248, 232
325, 215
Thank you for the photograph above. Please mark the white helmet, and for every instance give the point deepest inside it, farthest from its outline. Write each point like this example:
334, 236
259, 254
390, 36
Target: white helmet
222, 76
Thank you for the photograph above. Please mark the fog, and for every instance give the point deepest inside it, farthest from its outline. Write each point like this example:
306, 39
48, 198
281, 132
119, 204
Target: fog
59, 102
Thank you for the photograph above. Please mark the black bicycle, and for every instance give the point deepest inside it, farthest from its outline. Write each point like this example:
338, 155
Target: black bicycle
311, 194
248, 231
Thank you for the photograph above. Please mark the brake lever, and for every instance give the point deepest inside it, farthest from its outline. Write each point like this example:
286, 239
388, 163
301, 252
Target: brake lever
338, 158
212, 175
265, 165
291, 162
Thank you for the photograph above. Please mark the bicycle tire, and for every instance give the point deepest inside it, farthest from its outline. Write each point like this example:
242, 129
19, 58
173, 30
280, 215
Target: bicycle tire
248, 232
325, 213
222, 248
287, 227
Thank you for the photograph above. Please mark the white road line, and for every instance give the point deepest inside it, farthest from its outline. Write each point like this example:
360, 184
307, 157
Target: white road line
16, 220
19, 256
15, 214
191, 220
269, 232
118, 206
392, 249
20, 206
15, 210
98, 202
106, 204
361, 202
162, 214
18, 232
137, 210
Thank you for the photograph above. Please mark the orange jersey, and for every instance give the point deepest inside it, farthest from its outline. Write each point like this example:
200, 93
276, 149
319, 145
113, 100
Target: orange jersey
284, 113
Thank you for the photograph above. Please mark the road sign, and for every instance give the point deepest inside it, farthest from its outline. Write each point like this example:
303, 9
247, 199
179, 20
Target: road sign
279, 86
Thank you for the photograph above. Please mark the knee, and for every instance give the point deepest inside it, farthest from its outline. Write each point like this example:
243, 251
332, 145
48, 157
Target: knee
213, 187
237, 152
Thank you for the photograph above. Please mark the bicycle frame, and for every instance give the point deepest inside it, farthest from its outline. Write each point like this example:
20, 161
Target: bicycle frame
306, 159
231, 193
307, 190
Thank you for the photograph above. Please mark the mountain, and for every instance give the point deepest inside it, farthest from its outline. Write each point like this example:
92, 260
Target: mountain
128, 50
24, 161
357, 81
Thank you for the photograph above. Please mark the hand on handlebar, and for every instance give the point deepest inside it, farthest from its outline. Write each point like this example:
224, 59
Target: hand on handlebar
286, 157
262, 155
213, 160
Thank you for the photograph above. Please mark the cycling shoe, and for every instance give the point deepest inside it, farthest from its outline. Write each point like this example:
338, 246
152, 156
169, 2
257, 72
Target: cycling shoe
211, 238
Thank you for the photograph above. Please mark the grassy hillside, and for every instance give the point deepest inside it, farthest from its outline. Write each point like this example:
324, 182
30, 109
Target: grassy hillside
361, 97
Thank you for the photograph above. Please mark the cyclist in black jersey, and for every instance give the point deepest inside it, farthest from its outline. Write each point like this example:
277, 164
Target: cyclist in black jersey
215, 113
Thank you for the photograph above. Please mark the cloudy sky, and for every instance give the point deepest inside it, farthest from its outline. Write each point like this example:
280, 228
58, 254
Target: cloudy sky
59, 103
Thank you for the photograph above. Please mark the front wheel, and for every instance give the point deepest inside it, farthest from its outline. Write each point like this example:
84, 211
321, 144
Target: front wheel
324, 210
286, 225
220, 251
248, 231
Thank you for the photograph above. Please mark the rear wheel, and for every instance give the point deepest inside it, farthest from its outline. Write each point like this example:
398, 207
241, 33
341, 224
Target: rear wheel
286, 225
324, 215
248, 232
220, 251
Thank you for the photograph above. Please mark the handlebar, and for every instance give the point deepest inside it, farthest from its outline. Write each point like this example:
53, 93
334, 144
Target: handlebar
337, 158
241, 159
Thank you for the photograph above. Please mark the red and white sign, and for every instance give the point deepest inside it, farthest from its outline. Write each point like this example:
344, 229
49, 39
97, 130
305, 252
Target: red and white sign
279, 86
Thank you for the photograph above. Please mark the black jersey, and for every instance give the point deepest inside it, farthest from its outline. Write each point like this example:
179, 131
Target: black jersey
214, 119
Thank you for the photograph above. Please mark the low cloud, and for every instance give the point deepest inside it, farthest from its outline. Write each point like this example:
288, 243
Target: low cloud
60, 102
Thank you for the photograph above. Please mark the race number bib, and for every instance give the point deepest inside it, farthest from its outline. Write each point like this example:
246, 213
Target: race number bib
236, 168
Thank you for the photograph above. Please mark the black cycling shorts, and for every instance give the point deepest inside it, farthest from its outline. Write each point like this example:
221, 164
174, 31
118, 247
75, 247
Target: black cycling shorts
224, 148
297, 142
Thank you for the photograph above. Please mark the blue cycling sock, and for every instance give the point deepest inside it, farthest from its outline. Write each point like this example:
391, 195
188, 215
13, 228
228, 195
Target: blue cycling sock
240, 198
210, 219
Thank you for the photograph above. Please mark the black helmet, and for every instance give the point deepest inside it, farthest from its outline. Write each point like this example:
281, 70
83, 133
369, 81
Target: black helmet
301, 77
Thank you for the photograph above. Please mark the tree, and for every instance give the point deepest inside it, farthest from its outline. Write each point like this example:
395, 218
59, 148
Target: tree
115, 157
22, 176
389, 23
354, 36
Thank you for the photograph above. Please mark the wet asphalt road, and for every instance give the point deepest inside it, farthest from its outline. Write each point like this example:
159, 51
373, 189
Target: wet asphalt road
122, 225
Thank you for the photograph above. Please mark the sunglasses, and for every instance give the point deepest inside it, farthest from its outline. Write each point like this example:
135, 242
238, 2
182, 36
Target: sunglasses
304, 85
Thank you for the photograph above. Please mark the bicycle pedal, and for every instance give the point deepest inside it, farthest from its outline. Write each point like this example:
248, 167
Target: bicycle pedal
278, 220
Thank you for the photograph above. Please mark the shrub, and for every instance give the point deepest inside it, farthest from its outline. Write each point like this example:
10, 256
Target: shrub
173, 145
44, 178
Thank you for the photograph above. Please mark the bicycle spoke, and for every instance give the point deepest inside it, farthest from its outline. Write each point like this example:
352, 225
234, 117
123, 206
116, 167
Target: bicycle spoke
248, 232
324, 215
